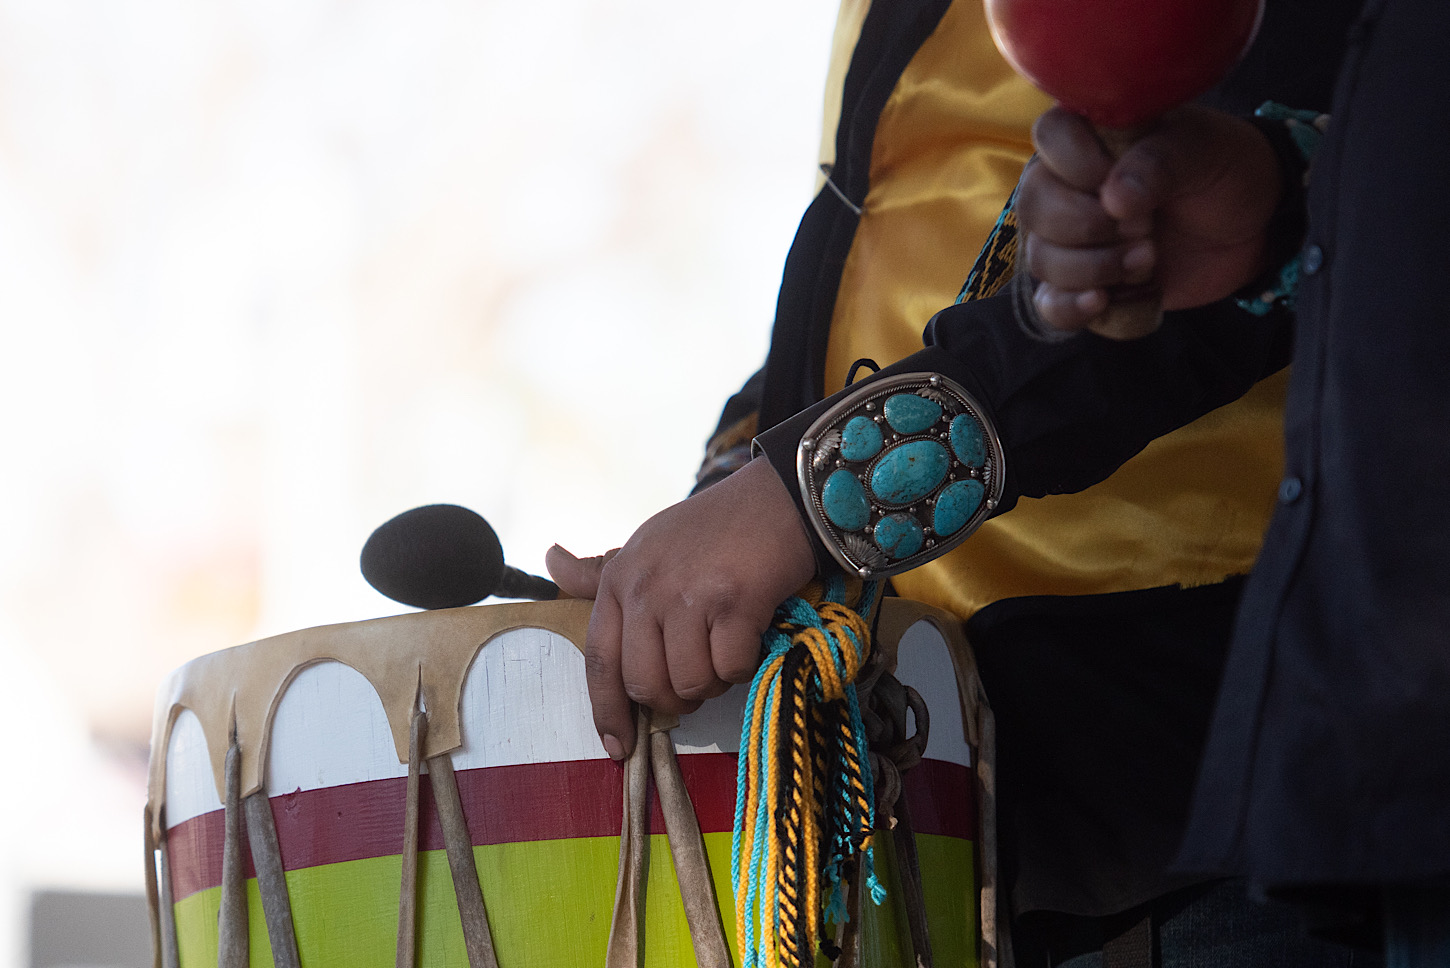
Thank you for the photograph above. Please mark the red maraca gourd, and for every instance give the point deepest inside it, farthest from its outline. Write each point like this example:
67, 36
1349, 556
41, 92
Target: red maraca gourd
1122, 64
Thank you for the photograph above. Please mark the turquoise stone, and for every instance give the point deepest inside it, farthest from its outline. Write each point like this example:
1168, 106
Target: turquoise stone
955, 506
909, 472
861, 439
968, 442
908, 413
899, 535
844, 501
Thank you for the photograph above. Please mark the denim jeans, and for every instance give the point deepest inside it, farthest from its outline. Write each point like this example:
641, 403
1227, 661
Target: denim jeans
1221, 927
1417, 927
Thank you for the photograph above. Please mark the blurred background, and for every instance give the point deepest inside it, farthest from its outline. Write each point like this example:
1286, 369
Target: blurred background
272, 272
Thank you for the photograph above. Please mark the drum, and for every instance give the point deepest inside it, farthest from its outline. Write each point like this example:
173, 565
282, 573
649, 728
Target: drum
429, 789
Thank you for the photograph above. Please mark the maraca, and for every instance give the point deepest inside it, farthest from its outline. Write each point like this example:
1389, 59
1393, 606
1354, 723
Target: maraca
1122, 64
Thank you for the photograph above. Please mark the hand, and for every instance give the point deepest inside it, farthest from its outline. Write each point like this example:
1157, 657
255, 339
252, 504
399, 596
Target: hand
680, 609
1187, 207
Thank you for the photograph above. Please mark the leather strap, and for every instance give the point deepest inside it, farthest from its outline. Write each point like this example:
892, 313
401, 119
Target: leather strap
170, 951
996, 937
232, 949
408, 888
909, 867
624, 927
654, 753
271, 881
687, 846
477, 938
164, 952
153, 891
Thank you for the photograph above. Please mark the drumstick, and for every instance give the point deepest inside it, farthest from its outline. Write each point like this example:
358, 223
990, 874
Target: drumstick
444, 556
1122, 64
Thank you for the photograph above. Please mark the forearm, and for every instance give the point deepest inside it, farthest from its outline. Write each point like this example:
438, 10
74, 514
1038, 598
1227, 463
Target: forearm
1069, 414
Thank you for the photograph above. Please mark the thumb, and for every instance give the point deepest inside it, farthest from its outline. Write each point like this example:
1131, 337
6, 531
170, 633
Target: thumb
1141, 181
1188, 152
576, 577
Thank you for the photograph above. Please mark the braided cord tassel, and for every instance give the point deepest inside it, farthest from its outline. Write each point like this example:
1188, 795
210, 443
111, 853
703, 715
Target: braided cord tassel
804, 804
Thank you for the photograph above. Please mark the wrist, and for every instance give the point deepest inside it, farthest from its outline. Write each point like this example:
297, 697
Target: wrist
778, 513
1293, 136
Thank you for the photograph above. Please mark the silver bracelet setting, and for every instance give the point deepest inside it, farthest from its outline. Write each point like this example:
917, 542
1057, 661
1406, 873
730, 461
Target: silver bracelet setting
899, 472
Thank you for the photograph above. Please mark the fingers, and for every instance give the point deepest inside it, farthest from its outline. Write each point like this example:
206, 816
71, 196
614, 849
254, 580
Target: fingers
576, 577
627, 659
1087, 218
692, 674
1076, 281
735, 648
1067, 310
613, 711
1092, 267
1141, 181
645, 666
1072, 243
1183, 212
1129, 188
679, 610
1055, 211
1067, 145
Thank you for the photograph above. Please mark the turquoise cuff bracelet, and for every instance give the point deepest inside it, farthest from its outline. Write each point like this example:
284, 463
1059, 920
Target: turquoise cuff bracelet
899, 472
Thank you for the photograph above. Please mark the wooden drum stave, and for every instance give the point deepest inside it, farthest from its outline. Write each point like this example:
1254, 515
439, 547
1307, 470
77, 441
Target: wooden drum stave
325, 839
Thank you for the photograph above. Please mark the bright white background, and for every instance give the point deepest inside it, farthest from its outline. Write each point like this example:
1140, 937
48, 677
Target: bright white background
274, 270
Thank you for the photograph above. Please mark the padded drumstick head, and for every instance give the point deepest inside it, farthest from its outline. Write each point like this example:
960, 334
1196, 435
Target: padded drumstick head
436, 556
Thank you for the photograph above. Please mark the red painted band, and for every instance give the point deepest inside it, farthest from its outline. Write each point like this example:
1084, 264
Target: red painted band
513, 804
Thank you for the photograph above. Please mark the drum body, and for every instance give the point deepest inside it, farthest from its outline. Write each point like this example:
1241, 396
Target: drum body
319, 722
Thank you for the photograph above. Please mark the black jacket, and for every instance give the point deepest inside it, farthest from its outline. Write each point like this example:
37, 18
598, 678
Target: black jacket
1329, 757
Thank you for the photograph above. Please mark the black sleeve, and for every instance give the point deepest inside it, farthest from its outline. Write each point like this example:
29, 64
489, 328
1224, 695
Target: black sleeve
728, 448
1070, 413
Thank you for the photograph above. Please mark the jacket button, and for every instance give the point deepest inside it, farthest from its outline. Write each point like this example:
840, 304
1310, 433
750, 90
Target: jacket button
1290, 489
1313, 260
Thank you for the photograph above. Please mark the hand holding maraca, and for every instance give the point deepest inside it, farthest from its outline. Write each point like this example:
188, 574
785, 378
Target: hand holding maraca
1123, 65
1188, 206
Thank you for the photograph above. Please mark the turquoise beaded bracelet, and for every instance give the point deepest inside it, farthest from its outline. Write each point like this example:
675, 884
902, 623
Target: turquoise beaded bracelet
1306, 129
899, 472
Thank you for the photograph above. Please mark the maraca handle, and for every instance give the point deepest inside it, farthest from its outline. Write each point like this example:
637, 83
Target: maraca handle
1132, 319
1119, 140
1136, 317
